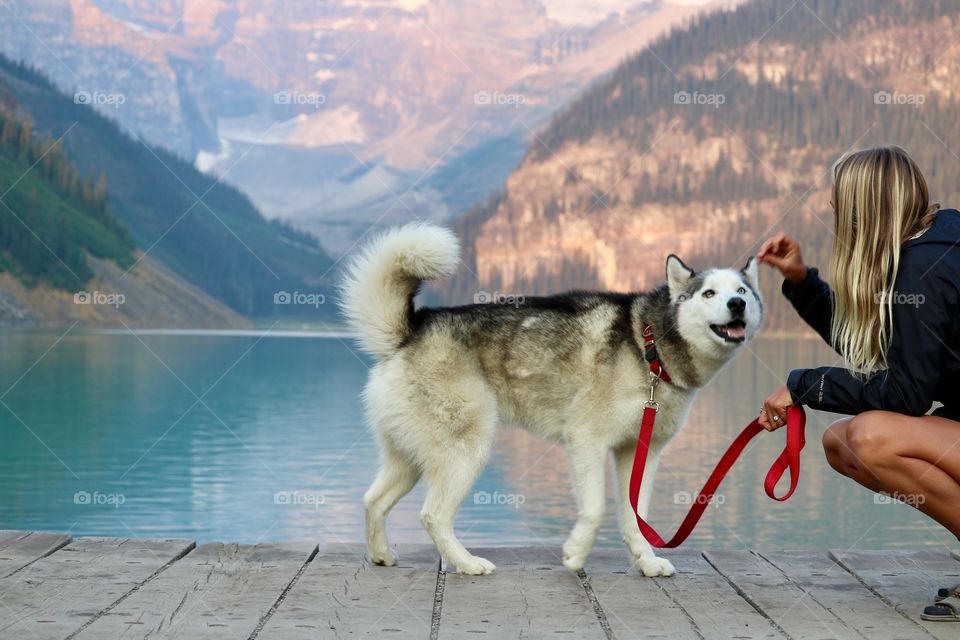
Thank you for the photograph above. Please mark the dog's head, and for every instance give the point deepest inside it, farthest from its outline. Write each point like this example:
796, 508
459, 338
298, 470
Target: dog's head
716, 310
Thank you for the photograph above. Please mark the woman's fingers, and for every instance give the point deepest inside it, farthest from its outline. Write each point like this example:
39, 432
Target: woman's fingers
776, 250
774, 261
770, 414
777, 413
773, 245
773, 413
767, 422
783, 253
775, 409
764, 421
779, 419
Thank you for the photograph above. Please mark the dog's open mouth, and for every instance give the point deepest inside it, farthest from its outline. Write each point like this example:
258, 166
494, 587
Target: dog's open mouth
733, 331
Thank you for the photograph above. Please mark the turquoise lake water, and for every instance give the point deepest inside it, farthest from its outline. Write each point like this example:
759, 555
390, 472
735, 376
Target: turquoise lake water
250, 437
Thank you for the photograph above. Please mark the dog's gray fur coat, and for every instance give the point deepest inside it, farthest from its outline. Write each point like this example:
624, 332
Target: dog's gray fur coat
569, 368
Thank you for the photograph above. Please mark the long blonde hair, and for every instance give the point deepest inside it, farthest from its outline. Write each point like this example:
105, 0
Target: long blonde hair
881, 200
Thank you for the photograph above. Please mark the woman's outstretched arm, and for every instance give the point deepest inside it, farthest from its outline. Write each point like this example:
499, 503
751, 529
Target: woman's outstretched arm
813, 300
802, 286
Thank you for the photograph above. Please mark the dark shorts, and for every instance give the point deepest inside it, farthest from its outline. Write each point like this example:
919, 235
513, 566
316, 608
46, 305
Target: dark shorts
953, 413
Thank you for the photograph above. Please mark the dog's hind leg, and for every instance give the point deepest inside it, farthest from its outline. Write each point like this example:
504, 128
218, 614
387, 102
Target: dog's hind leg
396, 478
587, 462
644, 559
450, 476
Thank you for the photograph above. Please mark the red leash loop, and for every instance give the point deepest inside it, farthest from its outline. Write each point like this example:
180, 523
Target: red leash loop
788, 459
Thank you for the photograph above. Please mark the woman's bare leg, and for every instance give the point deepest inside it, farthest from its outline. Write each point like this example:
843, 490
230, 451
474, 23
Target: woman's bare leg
916, 459
841, 458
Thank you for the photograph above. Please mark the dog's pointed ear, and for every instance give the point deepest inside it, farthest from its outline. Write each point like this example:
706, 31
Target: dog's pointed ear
678, 275
752, 273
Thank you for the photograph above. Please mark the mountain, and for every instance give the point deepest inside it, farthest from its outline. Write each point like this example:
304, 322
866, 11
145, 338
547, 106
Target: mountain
63, 218
717, 136
339, 114
207, 233
64, 255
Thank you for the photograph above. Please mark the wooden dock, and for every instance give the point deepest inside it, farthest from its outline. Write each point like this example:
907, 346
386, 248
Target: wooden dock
52, 586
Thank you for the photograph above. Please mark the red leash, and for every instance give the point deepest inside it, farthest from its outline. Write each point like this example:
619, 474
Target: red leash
788, 459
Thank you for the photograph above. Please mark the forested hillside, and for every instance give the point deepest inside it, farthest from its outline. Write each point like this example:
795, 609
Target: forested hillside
717, 136
59, 237
207, 232
52, 217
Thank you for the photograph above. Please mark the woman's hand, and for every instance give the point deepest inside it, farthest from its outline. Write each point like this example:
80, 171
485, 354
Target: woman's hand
783, 253
773, 415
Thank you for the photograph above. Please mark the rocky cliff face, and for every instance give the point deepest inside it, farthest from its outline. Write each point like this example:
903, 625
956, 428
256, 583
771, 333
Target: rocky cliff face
710, 142
579, 202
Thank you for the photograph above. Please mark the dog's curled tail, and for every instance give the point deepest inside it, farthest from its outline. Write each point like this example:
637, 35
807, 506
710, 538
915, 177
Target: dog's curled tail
381, 282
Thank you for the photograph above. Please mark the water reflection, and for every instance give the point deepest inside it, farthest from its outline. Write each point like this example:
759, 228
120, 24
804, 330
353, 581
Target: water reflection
249, 438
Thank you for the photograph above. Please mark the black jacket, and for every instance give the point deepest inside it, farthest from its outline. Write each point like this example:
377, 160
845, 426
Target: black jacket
923, 364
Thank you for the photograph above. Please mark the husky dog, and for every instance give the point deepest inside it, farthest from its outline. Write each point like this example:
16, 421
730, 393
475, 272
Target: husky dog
568, 367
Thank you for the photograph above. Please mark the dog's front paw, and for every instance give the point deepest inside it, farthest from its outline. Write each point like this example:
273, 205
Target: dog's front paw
476, 566
573, 557
574, 563
384, 558
652, 566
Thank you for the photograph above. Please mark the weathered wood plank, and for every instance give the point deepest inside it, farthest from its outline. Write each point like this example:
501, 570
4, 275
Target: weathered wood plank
786, 604
19, 548
342, 595
56, 595
835, 589
103, 588
218, 590
530, 595
640, 607
908, 580
715, 607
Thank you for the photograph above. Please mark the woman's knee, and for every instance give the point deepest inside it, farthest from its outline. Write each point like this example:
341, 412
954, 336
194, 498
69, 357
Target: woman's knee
835, 444
870, 438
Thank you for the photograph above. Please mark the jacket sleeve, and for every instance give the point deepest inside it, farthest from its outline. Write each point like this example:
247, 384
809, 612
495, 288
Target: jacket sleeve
923, 309
813, 300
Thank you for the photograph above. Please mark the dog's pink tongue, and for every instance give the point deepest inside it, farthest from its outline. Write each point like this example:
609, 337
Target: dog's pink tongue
736, 332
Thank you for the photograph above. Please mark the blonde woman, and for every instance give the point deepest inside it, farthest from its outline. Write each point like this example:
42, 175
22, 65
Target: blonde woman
894, 315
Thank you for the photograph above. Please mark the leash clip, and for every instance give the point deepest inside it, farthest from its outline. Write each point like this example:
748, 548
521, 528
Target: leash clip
651, 402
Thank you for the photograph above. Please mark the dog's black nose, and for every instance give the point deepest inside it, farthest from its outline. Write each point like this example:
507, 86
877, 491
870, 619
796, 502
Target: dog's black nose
737, 305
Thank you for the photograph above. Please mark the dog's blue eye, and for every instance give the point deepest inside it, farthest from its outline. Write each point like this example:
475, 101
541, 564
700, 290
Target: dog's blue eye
741, 291
682, 297
709, 293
